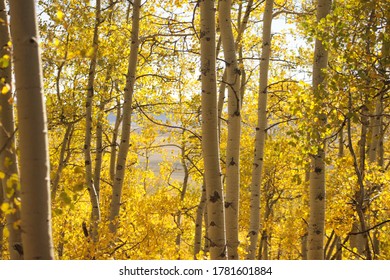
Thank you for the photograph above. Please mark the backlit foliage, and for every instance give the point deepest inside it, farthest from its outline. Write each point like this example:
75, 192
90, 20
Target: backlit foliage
164, 171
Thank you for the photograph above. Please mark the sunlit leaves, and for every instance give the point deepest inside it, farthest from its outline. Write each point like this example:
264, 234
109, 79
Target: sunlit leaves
4, 61
60, 15
6, 88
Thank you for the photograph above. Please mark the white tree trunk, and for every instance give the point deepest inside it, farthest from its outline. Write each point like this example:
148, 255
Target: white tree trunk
126, 122
114, 139
64, 157
34, 162
317, 172
210, 145
234, 129
198, 223
8, 160
258, 160
95, 213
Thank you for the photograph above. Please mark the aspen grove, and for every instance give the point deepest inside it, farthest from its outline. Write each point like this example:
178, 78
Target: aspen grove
195, 129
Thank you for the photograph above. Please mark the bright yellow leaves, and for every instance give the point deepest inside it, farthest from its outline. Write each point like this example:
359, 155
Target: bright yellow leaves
6, 88
56, 42
178, 3
60, 15
4, 207
10, 207
4, 61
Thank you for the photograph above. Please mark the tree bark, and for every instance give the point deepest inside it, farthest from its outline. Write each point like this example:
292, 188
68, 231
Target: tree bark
99, 149
95, 213
62, 160
114, 144
221, 91
258, 160
317, 173
126, 122
183, 150
34, 162
8, 160
198, 223
234, 129
210, 139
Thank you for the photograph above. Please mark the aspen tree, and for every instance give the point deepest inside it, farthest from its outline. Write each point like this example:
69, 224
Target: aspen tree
317, 172
95, 214
64, 157
210, 139
126, 121
113, 150
8, 160
242, 25
376, 151
200, 210
258, 160
99, 150
234, 128
32, 128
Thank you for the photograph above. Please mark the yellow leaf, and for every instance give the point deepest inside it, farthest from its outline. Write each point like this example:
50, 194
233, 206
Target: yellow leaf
60, 15
5, 232
17, 201
90, 52
56, 42
4, 61
4, 207
2, 175
6, 88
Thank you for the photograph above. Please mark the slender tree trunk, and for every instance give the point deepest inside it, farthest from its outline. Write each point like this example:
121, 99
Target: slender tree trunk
234, 129
221, 92
375, 124
99, 149
221, 100
377, 137
95, 214
337, 242
126, 122
114, 144
34, 163
317, 173
62, 160
304, 246
210, 145
8, 160
198, 223
258, 160
360, 196
183, 191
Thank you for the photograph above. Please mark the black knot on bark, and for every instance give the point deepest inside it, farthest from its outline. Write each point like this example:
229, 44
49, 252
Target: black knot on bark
215, 197
252, 233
